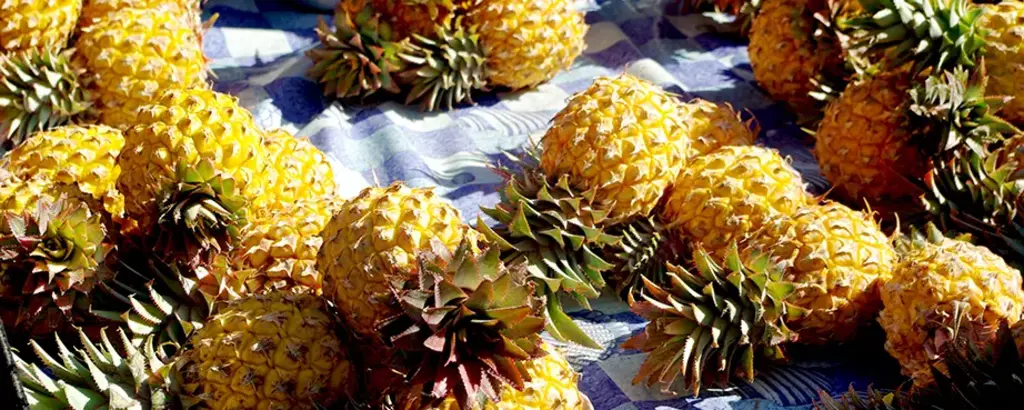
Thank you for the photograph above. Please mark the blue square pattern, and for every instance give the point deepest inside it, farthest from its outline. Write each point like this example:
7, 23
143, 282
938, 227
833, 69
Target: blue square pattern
454, 152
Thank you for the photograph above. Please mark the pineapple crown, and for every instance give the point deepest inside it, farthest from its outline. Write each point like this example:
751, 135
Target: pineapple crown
444, 70
936, 34
357, 58
58, 247
871, 400
98, 375
39, 90
468, 321
558, 233
950, 110
723, 314
643, 251
202, 216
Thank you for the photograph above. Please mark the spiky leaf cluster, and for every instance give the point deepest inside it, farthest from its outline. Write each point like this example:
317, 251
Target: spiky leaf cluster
709, 324
445, 70
97, 376
201, 216
468, 322
558, 233
950, 110
870, 400
937, 34
356, 58
645, 246
39, 90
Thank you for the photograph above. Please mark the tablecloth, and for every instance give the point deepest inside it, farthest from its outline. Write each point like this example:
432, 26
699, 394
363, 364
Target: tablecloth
257, 48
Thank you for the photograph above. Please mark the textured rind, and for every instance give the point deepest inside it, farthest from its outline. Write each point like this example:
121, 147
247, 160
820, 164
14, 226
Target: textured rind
622, 137
527, 42
134, 56
187, 127
926, 284
862, 146
552, 386
268, 351
37, 24
407, 17
94, 10
1004, 55
298, 171
710, 126
377, 235
783, 54
837, 257
85, 156
731, 194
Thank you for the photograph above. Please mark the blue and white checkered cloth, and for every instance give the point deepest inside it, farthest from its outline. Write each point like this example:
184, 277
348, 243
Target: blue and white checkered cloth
258, 50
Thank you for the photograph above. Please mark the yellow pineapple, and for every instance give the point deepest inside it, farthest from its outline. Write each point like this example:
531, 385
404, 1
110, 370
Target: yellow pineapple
938, 284
301, 172
623, 138
711, 126
97, 10
375, 238
134, 55
862, 146
1004, 54
267, 351
836, 257
732, 194
194, 171
37, 24
85, 156
414, 16
527, 42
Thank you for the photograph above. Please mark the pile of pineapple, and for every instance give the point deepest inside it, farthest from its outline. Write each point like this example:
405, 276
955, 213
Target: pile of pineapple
160, 250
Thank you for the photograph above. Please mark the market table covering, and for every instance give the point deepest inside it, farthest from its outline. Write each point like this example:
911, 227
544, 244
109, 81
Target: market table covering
258, 46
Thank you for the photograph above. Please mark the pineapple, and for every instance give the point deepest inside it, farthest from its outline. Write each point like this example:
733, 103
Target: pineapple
134, 55
941, 285
527, 42
788, 50
459, 298
710, 323
301, 172
267, 351
1004, 54
37, 24
623, 138
420, 17
836, 257
358, 56
39, 90
374, 239
194, 172
731, 194
711, 126
83, 156
97, 10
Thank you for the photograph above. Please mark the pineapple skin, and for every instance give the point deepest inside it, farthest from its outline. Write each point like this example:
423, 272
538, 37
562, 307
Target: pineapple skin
186, 128
407, 17
710, 126
268, 351
622, 137
374, 237
37, 24
926, 284
1004, 54
837, 257
84, 156
731, 194
133, 56
527, 42
862, 147
299, 172
96, 10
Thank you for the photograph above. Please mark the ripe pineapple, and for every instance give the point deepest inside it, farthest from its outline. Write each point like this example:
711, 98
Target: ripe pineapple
421, 17
83, 156
37, 24
731, 194
134, 55
711, 323
97, 10
301, 172
711, 126
940, 285
788, 49
623, 138
194, 172
1004, 54
39, 90
527, 42
836, 257
267, 351
373, 239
